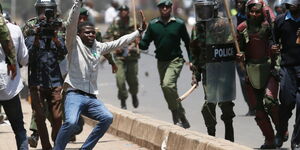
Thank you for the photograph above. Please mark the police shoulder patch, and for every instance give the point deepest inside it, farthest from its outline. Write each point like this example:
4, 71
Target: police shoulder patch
179, 20
155, 20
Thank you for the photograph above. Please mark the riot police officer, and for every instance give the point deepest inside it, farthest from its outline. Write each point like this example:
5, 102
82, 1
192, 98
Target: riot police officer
262, 77
213, 56
46, 49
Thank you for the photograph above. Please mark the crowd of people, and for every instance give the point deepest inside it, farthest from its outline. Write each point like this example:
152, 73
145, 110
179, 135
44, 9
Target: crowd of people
63, 60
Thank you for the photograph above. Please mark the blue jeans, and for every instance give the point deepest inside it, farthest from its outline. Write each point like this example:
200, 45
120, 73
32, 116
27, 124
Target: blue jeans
76, 104
13, 110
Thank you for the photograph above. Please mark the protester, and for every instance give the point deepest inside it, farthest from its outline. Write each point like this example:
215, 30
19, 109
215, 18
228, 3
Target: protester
81, 81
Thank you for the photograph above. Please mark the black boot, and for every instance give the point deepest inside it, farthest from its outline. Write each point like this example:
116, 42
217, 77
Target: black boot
135, 101
280, 138
33, 139
185, 122
229, 133
123, 104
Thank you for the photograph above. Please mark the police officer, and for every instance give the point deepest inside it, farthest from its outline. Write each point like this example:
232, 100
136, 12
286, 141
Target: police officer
46, 50
287, 27
126, 58
213, 56
166, 31
262, 77
241, 17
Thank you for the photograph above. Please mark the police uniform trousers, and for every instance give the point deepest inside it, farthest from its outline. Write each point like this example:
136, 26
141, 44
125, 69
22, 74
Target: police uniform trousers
169, 72
290, 98
127, 72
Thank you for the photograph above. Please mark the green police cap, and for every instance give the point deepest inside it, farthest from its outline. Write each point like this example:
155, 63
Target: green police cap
164, 2
84, 12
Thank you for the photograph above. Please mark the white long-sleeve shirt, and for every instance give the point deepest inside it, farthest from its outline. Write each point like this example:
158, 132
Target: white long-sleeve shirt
13, 87
83, 61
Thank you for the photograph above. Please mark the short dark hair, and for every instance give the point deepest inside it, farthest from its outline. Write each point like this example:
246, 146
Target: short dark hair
84, 24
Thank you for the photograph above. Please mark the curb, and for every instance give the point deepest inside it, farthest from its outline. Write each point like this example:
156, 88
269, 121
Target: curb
159, 135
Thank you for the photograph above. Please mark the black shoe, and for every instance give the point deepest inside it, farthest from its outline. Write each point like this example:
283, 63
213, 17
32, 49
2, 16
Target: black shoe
33, 139
295, 147
135, 101
279, 139
123, 104
73, 139
180, 121
185, 122
267, 146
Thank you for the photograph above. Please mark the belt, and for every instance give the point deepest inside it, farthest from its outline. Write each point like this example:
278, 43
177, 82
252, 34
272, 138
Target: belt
82, 93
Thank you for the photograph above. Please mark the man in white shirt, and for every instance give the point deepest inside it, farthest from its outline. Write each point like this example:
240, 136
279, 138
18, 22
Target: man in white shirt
81, 81
9, 96
112, 12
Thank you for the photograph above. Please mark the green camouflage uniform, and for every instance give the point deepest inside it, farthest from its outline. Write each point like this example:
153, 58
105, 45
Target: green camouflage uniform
126, 59
5, 38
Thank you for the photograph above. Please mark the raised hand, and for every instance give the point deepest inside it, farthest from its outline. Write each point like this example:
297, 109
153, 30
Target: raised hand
143, 25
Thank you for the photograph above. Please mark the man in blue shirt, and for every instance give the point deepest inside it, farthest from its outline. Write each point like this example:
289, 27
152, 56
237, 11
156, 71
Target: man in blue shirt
46, 50
286, 28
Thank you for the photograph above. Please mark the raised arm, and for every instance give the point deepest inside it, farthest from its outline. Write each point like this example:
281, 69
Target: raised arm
72, 22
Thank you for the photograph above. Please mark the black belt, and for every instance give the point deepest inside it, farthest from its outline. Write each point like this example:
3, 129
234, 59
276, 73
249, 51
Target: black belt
83, 93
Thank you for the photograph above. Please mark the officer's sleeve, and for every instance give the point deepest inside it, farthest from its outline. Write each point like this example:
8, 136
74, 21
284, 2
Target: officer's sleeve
7, 43
146, 40
186, 39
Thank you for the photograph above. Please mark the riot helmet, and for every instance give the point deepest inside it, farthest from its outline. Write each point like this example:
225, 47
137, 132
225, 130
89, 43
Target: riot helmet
41, 5
204, 10
279, 7
6, 15
123, 7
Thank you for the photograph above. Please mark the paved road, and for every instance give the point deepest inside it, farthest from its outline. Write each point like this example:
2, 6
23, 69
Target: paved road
107, 142
153, 104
